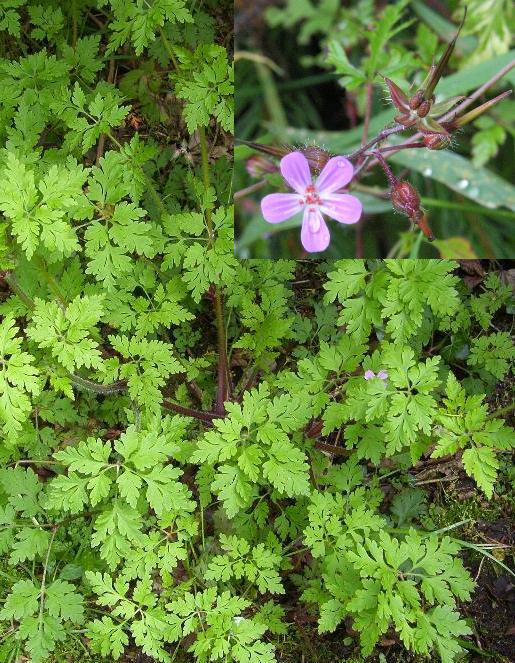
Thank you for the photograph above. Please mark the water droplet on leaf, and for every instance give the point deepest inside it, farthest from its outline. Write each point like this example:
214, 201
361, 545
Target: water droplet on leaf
463, 184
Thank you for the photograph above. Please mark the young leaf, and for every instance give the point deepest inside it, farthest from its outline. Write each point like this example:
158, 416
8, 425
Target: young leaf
18, 380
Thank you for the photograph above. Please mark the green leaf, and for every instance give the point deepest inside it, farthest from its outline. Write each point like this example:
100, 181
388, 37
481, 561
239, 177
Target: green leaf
115, 528
494, 352
30, 543
107, 637
129, 485
151, 362
407, 505
87, 118
368, 441
68, 493
206, 84
352, 77
481, 464
486, 142
18, 380
49, 22
332, 613
42, 213
83, 57
90, 456
139, 23
164, 492
23, 600
387, 26
233, 488
347, 280
66, 332
9, 18
63, 602
286, 469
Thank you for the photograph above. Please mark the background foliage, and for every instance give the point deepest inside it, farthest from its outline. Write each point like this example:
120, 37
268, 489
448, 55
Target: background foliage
194, 466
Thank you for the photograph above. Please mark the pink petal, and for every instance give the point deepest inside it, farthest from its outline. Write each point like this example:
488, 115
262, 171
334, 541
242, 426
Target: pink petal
369, 375
383, 375
314, 234
277, 207
336, 173
295, 170
342, 206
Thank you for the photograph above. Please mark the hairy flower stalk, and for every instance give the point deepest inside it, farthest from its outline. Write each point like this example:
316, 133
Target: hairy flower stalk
405, 198
317, 157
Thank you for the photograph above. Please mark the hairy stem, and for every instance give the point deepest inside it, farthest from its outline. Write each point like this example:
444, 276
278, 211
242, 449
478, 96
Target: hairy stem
96, 387
168, 49
15, 286
380, 137
368, 111
223, 368
43, 579
74, 22
190, 412
51, 282
331, 449
102, 139
360, 249
238, 195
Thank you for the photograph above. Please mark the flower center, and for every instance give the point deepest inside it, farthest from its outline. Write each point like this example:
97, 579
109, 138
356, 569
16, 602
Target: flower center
311, 196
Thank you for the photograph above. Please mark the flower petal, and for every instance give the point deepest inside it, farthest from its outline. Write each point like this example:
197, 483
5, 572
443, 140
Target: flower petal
295, 170
277, 207
383, 375
336, 173
342, 206
369, 375
314, 234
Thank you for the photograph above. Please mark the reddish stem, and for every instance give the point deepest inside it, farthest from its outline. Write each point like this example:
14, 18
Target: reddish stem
190, 412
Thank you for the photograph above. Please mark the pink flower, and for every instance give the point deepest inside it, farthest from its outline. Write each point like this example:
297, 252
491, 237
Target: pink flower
383, 375
313, 199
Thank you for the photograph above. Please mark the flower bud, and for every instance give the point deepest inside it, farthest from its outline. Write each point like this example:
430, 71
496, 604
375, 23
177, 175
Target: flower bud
405, 199
257, 166
416, 100
424, 109
437, 141
316, 156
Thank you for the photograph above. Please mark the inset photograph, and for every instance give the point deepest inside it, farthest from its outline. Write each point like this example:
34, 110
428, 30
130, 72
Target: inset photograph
373, 129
